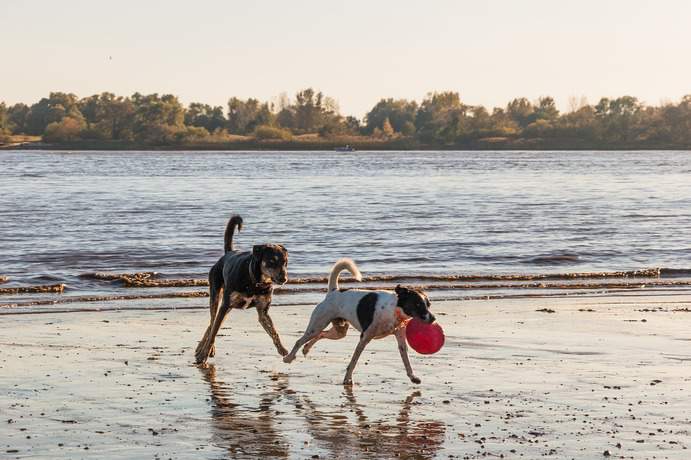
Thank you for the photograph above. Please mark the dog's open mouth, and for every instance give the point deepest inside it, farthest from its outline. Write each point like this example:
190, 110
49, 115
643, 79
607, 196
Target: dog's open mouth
281, 281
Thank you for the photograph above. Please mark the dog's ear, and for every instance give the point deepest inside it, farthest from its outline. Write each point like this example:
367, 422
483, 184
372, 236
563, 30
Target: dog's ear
257, 250
399, 289
283, 248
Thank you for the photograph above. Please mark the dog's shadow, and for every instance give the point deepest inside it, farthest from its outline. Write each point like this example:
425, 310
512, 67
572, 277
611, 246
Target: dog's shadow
344, 430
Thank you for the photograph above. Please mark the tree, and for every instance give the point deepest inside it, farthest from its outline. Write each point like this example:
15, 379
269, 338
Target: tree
436, 106
118, 116
158, 119
352, 125
17, 115
245, 116
408, 128
502, 124
441, 118
65, 130
480, 123
387, 129
542, 120
205, 116
308, 108
673, 123
286, 118
579, 124
49, 110
521, 111
90, 108
107, 117
332, 126
399, 112
307, 105
316, 113
546, 109
618, 119
4, 120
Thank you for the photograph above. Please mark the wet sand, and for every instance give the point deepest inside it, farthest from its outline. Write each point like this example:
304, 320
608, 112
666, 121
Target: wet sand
597, 376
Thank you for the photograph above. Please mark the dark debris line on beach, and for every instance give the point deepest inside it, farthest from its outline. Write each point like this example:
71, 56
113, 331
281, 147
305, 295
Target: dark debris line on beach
60, 288
593, 282
145, 279
55, 288
153, 279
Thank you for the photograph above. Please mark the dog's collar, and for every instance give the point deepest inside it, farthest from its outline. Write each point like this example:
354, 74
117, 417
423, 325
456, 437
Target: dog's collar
402, 319
257, 285
252, 267
262, 288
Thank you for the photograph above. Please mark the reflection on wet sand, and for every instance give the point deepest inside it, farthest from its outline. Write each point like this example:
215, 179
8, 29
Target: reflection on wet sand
245, 432
402, 437
341, 430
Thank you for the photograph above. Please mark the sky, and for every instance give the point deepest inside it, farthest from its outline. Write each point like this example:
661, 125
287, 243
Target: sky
490, 51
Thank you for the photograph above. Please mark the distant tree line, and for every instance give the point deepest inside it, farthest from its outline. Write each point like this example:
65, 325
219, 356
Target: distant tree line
442, 119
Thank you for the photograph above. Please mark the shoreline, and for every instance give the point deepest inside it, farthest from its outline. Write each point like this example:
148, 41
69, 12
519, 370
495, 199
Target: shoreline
281, 148
395, 145
598, 374
89, 291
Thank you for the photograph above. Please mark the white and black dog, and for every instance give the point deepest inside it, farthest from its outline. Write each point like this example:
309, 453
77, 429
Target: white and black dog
243, 280
376, 314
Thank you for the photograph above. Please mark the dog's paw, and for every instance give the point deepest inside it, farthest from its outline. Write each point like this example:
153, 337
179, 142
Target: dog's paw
305, 350
288, 359
201, 356
212, 351
415, 380
282, 351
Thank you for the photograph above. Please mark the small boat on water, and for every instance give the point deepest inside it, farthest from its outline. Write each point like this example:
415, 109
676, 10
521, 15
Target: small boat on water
345, 148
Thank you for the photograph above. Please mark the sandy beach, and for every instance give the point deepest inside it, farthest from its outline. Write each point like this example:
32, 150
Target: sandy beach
598, 377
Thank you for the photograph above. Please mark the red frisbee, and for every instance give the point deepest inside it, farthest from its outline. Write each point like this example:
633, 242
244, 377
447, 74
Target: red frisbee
424, 338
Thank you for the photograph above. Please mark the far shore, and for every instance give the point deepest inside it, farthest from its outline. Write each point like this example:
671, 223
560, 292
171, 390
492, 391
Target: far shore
316, 144
587, 378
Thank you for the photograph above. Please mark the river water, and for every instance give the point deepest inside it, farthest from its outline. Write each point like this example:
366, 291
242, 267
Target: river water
66, 214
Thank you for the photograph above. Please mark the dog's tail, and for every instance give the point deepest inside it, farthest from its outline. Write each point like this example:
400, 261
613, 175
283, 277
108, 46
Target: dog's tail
343, 264
235, 221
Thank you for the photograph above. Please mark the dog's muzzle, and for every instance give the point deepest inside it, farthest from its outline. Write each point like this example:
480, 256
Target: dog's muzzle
429, 318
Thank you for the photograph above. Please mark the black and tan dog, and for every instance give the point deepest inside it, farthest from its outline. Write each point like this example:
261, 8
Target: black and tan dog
243, 280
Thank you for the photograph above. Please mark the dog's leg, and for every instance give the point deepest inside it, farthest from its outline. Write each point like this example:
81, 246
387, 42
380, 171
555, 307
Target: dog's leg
364, 340
318, 321
338, 330
268, 325
403, 349
214, 298
204, 347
